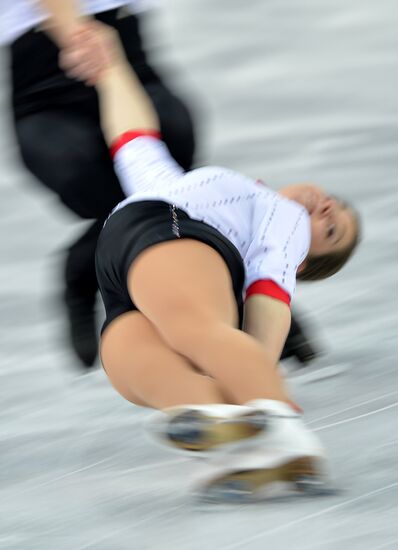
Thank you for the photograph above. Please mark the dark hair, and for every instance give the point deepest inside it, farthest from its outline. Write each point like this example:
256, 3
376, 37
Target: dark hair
322, 267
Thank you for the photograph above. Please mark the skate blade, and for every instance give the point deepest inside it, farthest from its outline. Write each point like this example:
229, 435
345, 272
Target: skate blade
195, 431
302, 474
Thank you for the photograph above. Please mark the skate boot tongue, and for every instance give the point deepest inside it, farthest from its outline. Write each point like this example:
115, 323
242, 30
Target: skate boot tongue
202, 428
273, 407
217, 410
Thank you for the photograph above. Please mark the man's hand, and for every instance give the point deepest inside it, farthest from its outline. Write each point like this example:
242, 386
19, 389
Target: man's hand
87, 46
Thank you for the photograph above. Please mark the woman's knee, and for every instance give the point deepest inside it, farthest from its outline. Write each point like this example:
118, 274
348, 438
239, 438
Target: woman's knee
186, 334
130, 346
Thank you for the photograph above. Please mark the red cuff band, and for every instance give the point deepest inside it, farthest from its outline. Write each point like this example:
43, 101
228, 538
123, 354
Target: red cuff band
129, 136
269, 288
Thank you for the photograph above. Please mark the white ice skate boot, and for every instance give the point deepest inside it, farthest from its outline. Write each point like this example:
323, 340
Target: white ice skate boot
285, 454
201, 429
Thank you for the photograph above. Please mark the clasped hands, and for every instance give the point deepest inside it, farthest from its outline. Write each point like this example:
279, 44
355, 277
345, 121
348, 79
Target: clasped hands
88, 50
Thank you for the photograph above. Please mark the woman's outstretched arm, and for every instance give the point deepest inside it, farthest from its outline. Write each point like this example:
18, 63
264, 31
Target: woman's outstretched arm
124, 103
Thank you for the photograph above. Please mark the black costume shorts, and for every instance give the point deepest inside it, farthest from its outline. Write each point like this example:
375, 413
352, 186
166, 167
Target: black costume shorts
139, 225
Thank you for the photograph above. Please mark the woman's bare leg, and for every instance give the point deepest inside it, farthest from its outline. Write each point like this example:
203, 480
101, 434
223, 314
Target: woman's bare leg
147, 372
184, 288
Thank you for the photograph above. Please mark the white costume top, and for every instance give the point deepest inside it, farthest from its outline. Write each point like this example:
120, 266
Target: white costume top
19, 16
271, 233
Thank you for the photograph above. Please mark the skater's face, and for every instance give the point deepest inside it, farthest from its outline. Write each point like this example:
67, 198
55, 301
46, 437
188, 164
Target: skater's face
333, 223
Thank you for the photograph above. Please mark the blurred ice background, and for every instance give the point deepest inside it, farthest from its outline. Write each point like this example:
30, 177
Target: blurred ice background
286, 90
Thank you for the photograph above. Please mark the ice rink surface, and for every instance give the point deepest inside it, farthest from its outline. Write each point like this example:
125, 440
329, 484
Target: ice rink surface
289, 91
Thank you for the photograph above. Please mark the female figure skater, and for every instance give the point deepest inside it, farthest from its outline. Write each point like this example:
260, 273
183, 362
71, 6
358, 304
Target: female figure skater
174, 261
57, 123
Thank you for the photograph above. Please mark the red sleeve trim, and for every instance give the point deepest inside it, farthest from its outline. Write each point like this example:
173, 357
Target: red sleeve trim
269, 288
129, 136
